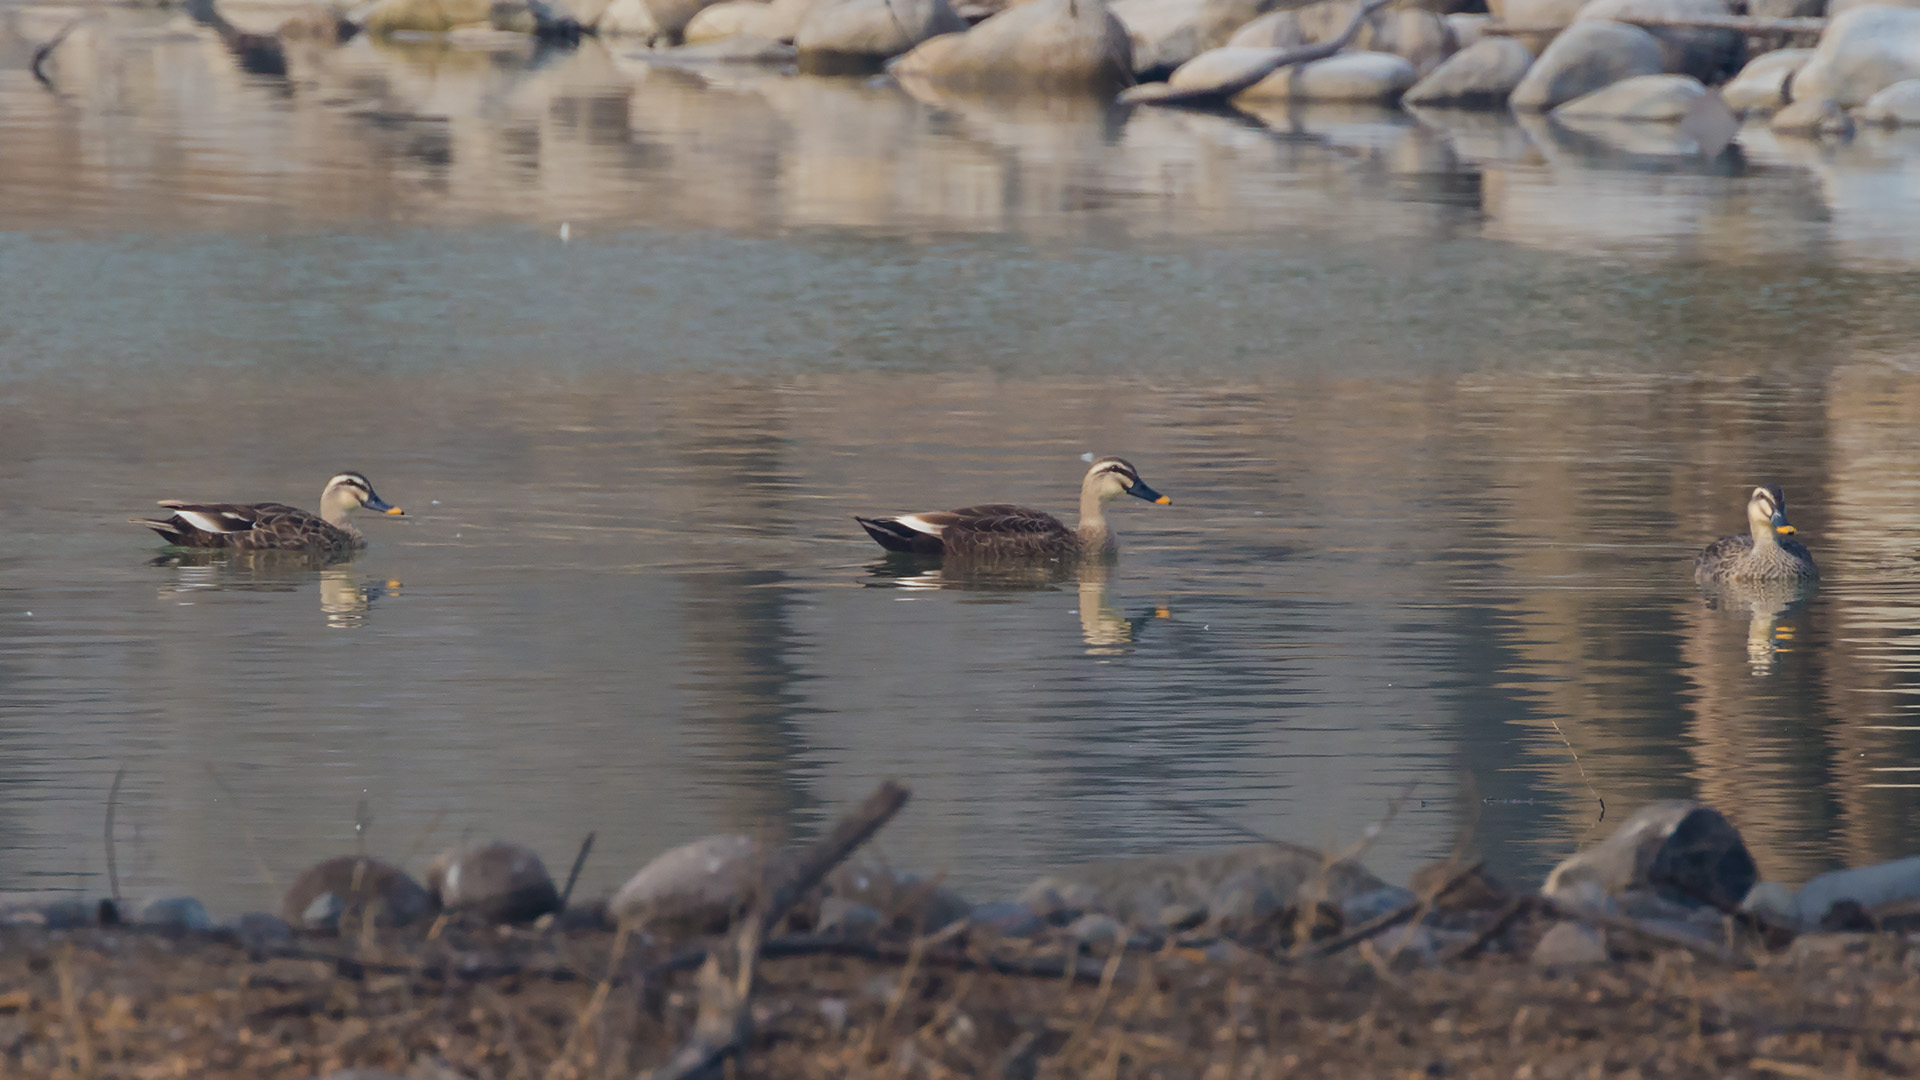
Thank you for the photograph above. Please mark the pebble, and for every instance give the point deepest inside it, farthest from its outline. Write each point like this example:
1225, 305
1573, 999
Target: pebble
1569, 944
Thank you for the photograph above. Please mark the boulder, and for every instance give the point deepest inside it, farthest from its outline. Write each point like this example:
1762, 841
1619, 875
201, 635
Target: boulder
781, 21
1353, 77
1570, 944
1761, 86
354, 888
1468, 29
1061, 45
1860, 54
52, 910
1167, 33
1663, 98
853, 36
1682, 853
1787, 9
1420, 37
1707, 55
1865, 887
1541, 13
1836, 8
175, 913
428, 16
908, 902
260, 931
1220, 72
846, 918
1811, 116
672, 16
1583, 59
1896, 106
1482, 75
1137, 891
498, 882
732, 50
728, 18
627, 18
699, 887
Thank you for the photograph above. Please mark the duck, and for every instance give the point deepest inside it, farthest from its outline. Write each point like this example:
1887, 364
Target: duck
274, 526
1766, 552
999, 530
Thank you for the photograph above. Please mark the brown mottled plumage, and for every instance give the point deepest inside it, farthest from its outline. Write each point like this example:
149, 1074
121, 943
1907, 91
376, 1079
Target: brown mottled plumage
273, 526
1003, 531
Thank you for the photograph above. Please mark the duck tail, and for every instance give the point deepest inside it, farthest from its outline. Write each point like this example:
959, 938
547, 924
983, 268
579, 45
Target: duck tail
894, 536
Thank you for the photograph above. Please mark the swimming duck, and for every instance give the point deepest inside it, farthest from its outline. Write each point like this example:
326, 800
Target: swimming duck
1003, 531
273, 526
1765, 553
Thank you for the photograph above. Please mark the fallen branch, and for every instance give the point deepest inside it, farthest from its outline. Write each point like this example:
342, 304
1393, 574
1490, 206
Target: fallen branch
573, 876
1648, 931
721, 1027
1165, 94
1376, 927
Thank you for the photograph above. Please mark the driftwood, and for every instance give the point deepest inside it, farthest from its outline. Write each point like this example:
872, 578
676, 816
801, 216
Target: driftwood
1165, 94
724, 1021
1751, 25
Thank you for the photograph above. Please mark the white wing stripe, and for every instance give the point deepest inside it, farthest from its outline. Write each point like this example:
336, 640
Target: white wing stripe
208, 523
915, 523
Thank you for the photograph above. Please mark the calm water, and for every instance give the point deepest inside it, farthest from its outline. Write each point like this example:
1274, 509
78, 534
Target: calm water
1444, 406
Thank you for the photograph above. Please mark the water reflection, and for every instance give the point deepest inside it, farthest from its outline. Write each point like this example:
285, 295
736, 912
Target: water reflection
1768, 608
346, 598
1105, 627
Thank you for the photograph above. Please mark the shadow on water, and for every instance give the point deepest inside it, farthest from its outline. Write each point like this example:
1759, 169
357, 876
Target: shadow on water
346, 597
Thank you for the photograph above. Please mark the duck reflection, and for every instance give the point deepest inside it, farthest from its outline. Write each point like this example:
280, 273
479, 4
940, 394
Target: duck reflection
1104, 626
1770, 608
346, 599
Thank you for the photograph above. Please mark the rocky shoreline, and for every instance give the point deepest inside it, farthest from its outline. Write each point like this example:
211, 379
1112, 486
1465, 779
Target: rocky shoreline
1656, 949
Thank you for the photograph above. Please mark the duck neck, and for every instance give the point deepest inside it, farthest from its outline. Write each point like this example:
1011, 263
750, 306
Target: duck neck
1094, 534
1764, 538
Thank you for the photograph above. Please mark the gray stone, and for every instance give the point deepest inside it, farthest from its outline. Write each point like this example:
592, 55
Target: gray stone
1226, 70
1584, 58
361, 887
1243, 901
1896, 106
1541, 13
1682, 852
783, 18
1836, 8
627, 18
1354, 77
855, 35
728, 18
1167, 33
672, 16
1860, 54
908, 903
1058, 45
1643, 98
1370, 904
175, 913
1570, 944
1468, 29
1007, 918
1810, 117
1761, 86
700, 886
259, 931
1707, 55
1867, 886
1481, 75
1098, 932
55, 911
1787, 9
499, 882
1136, 890
847, 918
1419, 37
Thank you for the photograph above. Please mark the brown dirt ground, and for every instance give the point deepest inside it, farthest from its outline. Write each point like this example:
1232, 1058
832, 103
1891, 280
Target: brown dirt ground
483, 1003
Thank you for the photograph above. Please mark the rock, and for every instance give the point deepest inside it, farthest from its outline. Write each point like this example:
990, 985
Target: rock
260, 931
1365, 77
1896, 106
1419, 37
733, 50
1455, 887
1771, 901
1242, 902
1135, 891
909, 903
1787, 9
1097, 932
1584, 58
55, 911
1860, 54
846, 918
627, 18
355, 887
728, 18
1810, 117
1468, 29
1570, 944
698, 887
1167, 33
1217, 72
430, 16
672, 16
1681, 852
1481, 75
1865, 886
854, 36
175, 913
1707, 55
498, 882
1645, 98
781, 21
1835, 8
1761, 86
1537, 13
1059, 45
1007, 918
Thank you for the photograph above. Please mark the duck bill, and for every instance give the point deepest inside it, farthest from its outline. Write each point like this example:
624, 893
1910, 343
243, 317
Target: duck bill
1781, 526
1140, 490
375, 502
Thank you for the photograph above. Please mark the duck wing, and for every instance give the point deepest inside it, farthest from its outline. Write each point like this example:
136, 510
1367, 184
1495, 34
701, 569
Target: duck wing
1719, 555
237, 525
1002, 529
